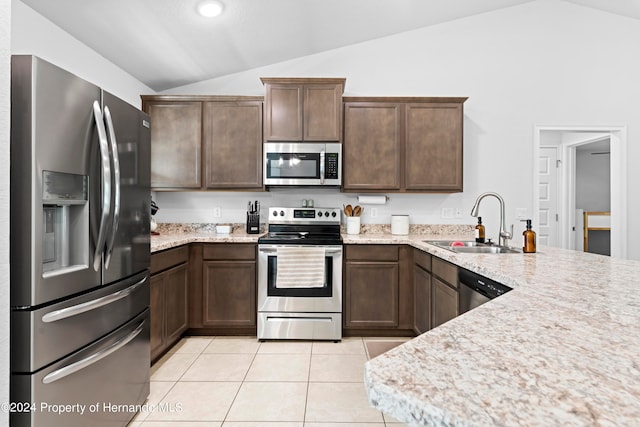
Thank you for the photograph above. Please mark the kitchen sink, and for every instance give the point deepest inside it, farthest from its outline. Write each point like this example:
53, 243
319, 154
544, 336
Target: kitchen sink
472, 247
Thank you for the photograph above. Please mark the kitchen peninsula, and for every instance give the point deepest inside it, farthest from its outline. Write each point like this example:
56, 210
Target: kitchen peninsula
560, 349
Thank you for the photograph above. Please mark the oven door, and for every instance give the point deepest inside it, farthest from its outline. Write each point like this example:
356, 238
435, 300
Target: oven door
326, 299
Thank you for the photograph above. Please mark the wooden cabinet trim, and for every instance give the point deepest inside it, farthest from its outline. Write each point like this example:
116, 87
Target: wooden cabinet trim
405, 99
445, 271
371, 252
422, 259
168, 258
229, 251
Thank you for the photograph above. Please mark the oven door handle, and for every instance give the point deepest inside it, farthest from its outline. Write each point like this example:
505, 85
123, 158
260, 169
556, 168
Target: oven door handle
274, 250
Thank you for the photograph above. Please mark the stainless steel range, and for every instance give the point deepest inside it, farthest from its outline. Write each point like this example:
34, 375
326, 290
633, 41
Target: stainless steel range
300, 275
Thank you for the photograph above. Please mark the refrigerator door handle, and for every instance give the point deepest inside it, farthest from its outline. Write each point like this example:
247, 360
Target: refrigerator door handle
111, 134
94, 358
106, 185
74, 310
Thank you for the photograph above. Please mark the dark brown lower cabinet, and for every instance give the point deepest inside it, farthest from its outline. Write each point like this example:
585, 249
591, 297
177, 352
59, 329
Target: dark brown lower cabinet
169, 298
444, 295
421, 291
377, 290
229, 289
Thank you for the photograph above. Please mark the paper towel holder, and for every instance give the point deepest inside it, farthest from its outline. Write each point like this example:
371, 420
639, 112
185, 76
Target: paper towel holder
365, 199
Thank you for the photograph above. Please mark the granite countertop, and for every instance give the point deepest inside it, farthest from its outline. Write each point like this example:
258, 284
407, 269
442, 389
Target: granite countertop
173, 235
561, 349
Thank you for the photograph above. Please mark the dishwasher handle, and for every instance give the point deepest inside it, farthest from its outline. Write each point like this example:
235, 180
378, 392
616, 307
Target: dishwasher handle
483, 285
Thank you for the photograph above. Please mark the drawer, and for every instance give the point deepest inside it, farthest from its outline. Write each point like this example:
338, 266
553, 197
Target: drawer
233, 251
445, 271
371, 253
166, 259
422, 259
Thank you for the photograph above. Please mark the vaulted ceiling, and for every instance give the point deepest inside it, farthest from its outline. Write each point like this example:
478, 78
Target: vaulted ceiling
165, 44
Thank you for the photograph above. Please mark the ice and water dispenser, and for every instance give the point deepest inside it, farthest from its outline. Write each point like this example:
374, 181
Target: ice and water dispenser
65, 222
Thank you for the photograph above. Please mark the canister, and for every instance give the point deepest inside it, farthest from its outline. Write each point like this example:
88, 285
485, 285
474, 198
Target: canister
400, 224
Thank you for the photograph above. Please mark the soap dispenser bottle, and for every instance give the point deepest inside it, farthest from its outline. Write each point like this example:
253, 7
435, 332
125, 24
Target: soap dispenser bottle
479, 231
529, 239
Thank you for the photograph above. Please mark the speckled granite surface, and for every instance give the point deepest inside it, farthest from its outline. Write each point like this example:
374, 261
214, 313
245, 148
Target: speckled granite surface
561, 349
173, 235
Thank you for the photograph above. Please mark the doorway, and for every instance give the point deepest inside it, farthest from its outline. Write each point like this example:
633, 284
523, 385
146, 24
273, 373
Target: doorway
555, 188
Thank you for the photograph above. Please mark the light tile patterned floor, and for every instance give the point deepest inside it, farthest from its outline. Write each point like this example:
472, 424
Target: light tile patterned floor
240, 382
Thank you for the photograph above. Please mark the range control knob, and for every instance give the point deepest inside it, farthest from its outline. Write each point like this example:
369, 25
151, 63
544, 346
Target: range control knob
281, 213
333, 214
326, 214
275, 213
320, 213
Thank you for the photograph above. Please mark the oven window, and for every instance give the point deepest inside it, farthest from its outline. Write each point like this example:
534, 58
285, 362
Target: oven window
293, 165
272, 291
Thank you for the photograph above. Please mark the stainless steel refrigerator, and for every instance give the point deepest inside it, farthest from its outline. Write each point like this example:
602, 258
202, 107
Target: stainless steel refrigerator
80, 215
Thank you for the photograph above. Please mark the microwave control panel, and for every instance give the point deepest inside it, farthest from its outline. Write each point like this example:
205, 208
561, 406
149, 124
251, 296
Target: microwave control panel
331, 169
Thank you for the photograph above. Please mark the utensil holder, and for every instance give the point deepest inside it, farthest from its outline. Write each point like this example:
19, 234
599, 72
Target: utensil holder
353, 225
253, 223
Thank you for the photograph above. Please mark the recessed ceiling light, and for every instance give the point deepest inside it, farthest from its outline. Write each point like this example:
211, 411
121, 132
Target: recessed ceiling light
210, 9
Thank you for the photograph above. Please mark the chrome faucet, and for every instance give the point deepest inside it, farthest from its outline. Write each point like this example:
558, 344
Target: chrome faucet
504, 234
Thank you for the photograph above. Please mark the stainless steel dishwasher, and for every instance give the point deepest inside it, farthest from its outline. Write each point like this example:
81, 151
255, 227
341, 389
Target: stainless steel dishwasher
475, 290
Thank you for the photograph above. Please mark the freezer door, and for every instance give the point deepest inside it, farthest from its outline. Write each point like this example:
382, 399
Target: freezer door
46, 334
103, 384
53, 127
127, 245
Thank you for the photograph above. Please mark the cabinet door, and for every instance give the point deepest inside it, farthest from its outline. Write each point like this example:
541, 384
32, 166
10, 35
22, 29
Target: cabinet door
175, 295
233, 144
322, 112
422, 299
176, 129
444, 302
283, 112
372, 146
433, 155
371, 295
156, 316
229, 293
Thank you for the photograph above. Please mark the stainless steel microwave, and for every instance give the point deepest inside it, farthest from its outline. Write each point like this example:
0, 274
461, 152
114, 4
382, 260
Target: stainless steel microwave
290, 164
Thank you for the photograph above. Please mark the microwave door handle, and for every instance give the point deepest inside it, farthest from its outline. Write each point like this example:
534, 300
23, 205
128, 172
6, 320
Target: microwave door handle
106, 184
116, 185
322, 167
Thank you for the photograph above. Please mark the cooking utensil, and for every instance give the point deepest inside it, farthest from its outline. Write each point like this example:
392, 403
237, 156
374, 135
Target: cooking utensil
348, 210
357, 211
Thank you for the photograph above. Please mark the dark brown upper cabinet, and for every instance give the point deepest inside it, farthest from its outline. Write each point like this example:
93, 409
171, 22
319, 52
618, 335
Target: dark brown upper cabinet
205, 142
176, 141
303, 109
403, 144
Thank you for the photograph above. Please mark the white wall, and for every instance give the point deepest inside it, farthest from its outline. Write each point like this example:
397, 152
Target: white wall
544, 62
33, 34
5, 105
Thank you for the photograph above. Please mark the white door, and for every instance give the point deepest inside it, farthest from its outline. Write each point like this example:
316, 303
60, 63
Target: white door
548, 197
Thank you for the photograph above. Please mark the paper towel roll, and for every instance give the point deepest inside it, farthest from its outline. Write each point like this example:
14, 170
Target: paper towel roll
372, 200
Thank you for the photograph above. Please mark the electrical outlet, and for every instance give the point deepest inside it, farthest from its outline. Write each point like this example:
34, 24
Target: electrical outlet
521, 213
447, 212
374, 212
217, 212
459, 213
